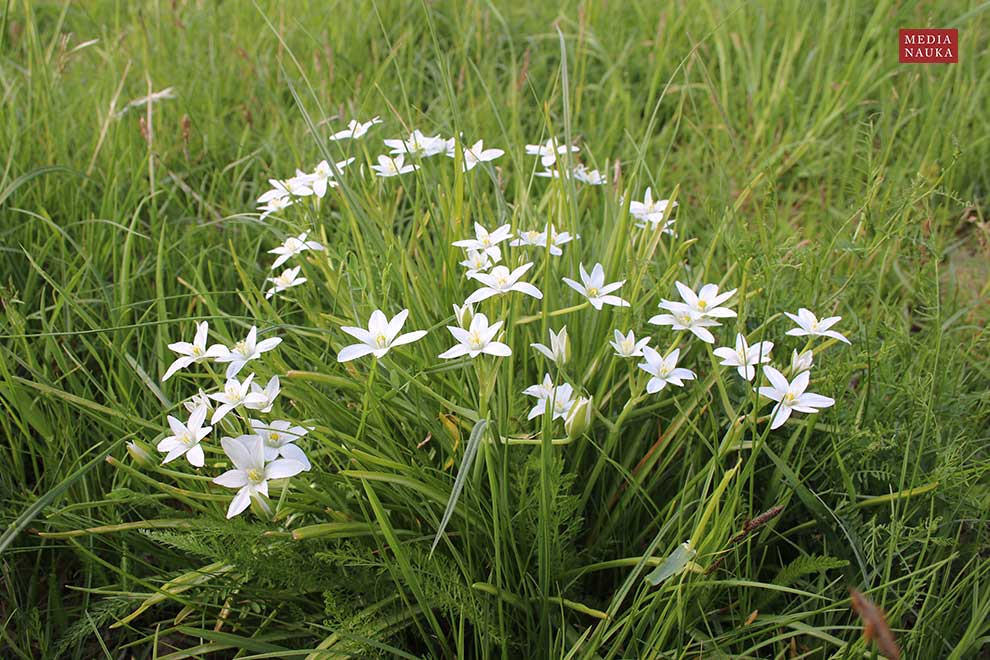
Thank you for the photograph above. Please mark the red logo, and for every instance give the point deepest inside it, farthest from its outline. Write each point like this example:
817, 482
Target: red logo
929, 46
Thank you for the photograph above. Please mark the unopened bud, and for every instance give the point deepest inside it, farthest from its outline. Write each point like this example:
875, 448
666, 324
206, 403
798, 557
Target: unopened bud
579, 418
801, 362
464, 314
140, 455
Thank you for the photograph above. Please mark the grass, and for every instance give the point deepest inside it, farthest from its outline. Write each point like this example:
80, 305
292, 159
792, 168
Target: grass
811, 170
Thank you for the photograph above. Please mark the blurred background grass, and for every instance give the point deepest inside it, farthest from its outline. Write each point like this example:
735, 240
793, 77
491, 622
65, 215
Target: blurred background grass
796, 138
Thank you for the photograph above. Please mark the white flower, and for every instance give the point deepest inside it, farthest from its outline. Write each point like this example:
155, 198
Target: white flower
194, 352
627, 346
355, 129
744, 356
808, 324
559, 350
663, 369
687, 319
278, 437
477, 339
552, 174
477, 261
651, 211
251, 475
185, 438
593, 287
381, 336
244, 351
485, 241
418, 145
560, 399
274, 206
539, 239
197, 400
590, 177
801, 362
288, 279
541, 390
234, 395
707, 302
500, 281
791, 396
478, 154
266, 396
323, 176
297, 186
387, 166
548, 152
293, 246
464, 314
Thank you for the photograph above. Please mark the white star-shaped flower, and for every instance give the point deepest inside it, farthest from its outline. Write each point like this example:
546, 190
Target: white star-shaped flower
381, 336
627, 346
244, 351
251, 474
559, 350
234, 395
501, 281
663, 369
791, 396
478, 154
292, 246
745, 357
266, 395
478, 338
418, 145
288, 279
185, 438
279, 437
593, 287
651, 212
355, 129
686, 319
197, 351
393, 166
808, 324
549, 151
486, 241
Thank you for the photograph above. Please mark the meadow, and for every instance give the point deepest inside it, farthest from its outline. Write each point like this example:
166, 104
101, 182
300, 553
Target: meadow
338, 485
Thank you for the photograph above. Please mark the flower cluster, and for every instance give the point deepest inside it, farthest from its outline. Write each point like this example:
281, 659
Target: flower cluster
267, 449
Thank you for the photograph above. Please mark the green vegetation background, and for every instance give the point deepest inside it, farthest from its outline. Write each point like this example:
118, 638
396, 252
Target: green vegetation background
835, 177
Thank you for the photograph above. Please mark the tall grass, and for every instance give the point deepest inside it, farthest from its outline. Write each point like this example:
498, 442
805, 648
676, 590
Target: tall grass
811, 170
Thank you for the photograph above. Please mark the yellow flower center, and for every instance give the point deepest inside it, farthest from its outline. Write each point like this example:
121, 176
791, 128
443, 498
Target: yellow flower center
274, 436
789, 397
702, 304
381, 340
186, 439
255, 475
474, 340
197, 351
593, 292
240, 347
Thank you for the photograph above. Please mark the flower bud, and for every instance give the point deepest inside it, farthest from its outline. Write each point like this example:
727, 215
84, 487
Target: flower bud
578, 418
140, 455
464, 315
801, 362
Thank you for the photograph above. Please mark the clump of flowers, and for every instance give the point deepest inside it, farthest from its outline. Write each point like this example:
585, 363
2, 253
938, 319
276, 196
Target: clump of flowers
499, 263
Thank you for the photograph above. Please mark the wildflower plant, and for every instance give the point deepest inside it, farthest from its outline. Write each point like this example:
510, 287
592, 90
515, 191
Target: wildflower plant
466, 365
